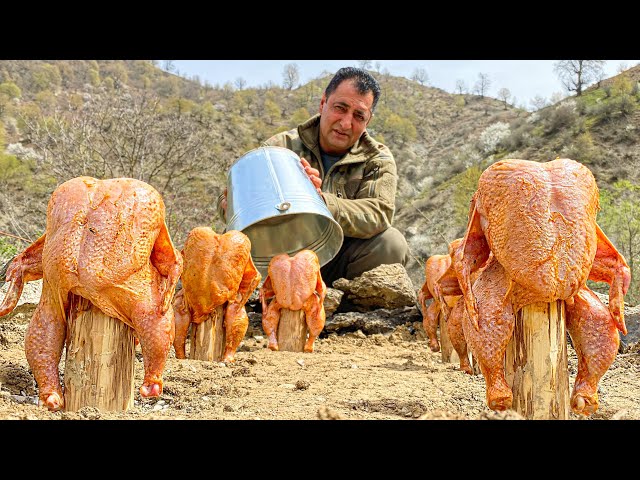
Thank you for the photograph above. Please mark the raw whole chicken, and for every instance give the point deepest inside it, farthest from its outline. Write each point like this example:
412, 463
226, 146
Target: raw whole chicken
293, 283
105, 241
447, 293
218, 270
539, 222
434, 268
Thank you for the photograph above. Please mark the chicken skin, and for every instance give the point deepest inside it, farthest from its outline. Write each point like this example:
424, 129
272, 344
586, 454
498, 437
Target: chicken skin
218, 270
453, 311
539, 222
293, 283
105, 241
434, 268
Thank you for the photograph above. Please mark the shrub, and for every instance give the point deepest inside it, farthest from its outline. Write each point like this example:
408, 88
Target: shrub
560, 117
492, 137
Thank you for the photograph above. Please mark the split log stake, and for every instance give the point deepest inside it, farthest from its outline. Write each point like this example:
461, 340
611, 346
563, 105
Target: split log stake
292, 330
207, 339
536, 362
99, 362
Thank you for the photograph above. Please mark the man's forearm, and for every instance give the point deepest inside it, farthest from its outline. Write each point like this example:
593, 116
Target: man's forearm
360, 218
221, 211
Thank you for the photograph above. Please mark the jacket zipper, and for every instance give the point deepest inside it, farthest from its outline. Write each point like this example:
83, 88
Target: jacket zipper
340, 190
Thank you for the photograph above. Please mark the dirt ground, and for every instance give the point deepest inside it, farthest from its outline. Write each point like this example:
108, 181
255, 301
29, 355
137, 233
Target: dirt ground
392, 376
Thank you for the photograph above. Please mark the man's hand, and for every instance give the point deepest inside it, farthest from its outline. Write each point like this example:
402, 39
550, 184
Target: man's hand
223, 202
313, 174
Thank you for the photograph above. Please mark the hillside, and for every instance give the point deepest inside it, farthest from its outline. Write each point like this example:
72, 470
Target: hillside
61, 119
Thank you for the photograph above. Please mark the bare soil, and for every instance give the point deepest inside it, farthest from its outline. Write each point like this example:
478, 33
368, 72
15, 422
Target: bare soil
391, 376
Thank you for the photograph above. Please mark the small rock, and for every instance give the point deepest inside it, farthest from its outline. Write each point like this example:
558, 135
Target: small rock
289, 386
90, 413
302, 385
619, 415
327, 413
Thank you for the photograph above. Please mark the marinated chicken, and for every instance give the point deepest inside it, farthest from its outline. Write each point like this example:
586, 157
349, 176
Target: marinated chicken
539, 222
218, 270
293, 283
105, 241
447, 287
434, 268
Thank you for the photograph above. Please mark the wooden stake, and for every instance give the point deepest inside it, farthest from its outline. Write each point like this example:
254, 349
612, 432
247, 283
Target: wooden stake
292, 330
207, 339
99, 362
536, 365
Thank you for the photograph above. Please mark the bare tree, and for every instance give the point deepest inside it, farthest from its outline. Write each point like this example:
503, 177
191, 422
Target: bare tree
240, 83
482, 85
461, 87
575, 75
622, 67
291, 75
538, 102
122, 135
169, 66
130, 134
556, 97
365, 64
420, 75
378, 67
504, 94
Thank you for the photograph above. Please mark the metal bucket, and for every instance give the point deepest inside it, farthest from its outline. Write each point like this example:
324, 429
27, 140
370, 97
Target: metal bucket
271, 200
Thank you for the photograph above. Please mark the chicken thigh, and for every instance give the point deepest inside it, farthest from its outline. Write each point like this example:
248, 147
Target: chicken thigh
434, 268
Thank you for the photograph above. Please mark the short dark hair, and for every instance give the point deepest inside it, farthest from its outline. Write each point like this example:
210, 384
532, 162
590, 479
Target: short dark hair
363, 80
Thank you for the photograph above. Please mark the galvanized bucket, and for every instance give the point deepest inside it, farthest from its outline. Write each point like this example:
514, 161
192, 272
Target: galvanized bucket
272, 201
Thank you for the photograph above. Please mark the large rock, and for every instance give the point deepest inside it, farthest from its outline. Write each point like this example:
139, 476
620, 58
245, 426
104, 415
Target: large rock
377, 321
332, 301
630, 341
386, 286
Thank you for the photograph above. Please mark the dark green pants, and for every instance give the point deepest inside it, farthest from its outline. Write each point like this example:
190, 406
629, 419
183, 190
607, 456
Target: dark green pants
358, 255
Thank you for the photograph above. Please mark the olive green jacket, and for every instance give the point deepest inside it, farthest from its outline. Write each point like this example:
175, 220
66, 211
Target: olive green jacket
359, 189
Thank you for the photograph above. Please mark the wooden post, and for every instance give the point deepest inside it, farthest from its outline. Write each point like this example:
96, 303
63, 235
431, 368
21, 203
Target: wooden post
536, 365
99, 362
292, 330
207, 339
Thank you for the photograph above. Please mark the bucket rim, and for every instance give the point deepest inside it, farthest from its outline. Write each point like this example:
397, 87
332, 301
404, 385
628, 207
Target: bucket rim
266, 147
329, 219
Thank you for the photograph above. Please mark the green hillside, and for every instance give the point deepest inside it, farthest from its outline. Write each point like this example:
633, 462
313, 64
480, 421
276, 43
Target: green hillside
63, 119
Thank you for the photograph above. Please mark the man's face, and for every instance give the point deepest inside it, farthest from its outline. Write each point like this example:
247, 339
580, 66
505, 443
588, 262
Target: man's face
343, 118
